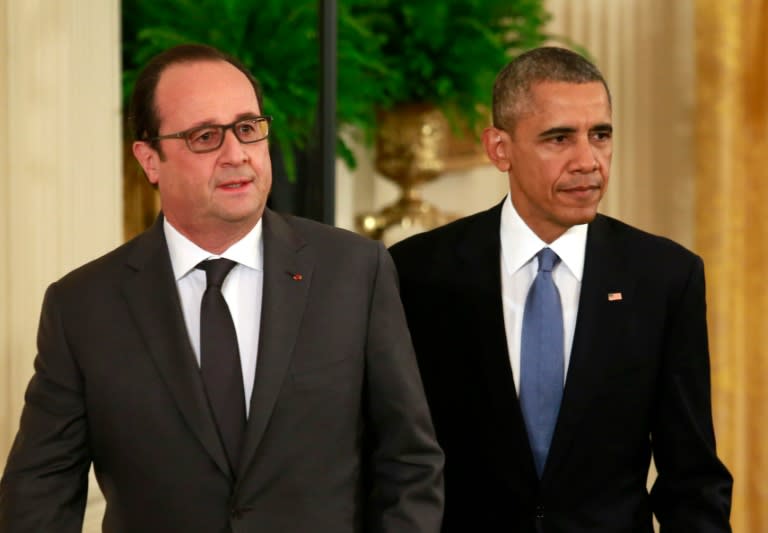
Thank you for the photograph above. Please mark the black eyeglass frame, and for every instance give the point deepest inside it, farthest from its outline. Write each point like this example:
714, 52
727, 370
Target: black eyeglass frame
224, 127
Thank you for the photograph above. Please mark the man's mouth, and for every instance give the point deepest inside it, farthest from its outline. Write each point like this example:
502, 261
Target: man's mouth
581, 188
235, 184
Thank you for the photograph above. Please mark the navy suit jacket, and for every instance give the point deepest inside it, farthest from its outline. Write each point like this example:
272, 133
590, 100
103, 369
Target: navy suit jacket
638, 384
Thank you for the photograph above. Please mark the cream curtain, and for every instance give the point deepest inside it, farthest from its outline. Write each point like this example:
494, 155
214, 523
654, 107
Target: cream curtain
60, 170
732, 235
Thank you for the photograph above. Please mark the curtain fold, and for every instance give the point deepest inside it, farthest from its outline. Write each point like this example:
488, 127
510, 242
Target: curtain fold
731, 133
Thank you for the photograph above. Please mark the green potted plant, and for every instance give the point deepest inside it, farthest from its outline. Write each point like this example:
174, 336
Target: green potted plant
448, 53
443, 57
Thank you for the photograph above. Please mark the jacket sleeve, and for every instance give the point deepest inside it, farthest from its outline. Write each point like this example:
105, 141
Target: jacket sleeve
406, 485
693, 488
45, 483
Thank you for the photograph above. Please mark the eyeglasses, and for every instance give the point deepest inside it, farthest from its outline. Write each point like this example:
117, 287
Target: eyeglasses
204, 139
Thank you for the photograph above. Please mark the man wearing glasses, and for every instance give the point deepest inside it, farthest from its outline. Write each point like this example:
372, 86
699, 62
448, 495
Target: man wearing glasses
230, 369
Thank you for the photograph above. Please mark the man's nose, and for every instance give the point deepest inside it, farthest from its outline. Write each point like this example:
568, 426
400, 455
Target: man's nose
585, 159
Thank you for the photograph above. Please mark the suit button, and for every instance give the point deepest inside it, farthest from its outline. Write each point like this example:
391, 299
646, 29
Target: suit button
236, 514
539, 511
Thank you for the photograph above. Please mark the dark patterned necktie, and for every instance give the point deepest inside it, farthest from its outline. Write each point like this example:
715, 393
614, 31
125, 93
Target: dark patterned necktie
220, 360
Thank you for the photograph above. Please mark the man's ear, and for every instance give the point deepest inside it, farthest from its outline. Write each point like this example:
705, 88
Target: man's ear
495, 142
148, 158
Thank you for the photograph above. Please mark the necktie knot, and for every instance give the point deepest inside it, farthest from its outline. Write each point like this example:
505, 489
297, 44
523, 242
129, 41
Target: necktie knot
216, 270
547, 259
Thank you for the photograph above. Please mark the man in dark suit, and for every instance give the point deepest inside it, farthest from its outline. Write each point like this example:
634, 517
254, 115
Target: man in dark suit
318, 424
560, 439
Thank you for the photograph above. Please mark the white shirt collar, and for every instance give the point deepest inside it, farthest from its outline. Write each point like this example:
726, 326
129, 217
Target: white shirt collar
185, 254
519, 243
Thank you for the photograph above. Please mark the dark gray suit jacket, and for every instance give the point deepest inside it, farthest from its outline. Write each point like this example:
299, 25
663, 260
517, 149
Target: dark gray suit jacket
638, 383
339, 437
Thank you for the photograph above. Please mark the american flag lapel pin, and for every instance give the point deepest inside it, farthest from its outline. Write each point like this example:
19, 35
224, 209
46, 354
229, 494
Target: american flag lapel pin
614, 296
295, 276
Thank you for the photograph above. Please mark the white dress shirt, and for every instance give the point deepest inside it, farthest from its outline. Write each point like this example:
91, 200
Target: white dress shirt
242, 290
519, 246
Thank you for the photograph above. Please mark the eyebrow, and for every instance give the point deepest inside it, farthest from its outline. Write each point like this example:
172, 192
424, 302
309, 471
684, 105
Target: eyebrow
567, 130
211, 122
557, 131
603, 128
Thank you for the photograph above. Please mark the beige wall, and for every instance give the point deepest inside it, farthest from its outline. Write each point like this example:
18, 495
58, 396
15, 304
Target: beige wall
7, 412
60, 161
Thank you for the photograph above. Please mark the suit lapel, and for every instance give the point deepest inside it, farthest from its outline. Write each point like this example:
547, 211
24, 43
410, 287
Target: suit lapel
154, 303
287, 276
480, 255
606, 291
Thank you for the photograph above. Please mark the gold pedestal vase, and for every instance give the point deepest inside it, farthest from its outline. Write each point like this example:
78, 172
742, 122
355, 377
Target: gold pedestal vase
415, 144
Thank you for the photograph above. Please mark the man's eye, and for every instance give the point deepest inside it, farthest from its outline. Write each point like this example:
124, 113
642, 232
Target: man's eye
250, 130
204, 136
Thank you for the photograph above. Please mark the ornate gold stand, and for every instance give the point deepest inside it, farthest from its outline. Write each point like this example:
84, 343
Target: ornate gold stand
415, 145
408, 211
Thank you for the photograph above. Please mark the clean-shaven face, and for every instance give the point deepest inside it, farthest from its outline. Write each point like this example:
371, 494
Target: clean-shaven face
216, 196
558, 157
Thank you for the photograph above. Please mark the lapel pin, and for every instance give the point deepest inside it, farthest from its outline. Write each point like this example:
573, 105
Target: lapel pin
297, 277
614, 296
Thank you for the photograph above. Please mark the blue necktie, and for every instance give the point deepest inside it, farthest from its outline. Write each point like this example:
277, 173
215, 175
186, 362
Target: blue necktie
541, 358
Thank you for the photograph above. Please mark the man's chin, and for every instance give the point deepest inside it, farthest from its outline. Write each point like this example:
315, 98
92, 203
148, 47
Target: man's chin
583, 216
244, 216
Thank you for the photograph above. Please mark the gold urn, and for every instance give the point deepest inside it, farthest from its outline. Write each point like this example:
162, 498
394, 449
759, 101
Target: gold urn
415, 144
